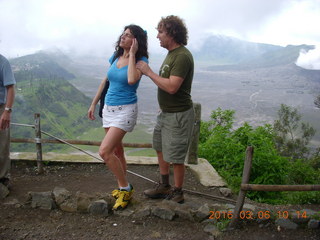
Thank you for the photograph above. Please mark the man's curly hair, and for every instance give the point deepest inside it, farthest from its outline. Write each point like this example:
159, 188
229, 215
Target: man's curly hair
175, 27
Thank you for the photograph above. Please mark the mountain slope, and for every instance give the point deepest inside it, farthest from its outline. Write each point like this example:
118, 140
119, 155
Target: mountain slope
223, 50
282, 56
39, 65
62, 107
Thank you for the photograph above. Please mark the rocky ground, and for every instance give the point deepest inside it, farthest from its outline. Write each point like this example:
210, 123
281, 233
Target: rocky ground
19, 220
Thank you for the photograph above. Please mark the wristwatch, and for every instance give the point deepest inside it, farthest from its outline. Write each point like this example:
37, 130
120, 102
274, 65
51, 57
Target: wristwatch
8, 109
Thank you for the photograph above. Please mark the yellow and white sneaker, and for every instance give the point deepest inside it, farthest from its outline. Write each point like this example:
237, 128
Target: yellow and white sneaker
115, 193
123, 198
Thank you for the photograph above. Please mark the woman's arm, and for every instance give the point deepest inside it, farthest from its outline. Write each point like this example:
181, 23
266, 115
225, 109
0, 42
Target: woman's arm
134, 74
96, 99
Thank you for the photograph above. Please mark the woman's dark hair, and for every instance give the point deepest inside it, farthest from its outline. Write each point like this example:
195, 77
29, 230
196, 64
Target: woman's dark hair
142, 39
175, 27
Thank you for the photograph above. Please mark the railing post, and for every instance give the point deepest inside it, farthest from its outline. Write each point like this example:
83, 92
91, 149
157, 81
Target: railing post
193, 149
38, 142
242, 193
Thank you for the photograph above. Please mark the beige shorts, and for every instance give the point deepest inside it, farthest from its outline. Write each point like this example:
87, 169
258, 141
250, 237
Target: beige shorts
172, 135
122, 116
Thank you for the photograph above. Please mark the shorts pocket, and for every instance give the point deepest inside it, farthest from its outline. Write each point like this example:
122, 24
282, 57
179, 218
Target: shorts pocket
177, 150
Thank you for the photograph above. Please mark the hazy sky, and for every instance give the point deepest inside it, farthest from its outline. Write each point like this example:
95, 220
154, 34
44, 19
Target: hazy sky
94, 25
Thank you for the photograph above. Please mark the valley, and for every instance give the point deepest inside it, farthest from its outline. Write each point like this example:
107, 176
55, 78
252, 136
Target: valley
255, 94
254, 82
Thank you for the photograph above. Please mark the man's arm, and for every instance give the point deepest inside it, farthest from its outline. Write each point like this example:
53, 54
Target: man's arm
6, 115
170, 85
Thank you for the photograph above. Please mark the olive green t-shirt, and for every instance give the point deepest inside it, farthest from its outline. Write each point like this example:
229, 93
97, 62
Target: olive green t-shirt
179, 62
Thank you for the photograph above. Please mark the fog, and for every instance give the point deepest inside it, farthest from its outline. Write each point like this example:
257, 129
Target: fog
92, 27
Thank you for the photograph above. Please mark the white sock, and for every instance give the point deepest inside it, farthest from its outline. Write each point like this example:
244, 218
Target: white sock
127, 188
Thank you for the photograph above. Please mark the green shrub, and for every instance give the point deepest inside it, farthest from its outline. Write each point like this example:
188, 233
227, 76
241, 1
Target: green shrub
225, 149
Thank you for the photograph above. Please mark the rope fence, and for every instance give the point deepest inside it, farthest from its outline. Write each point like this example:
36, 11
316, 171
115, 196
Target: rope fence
39, 140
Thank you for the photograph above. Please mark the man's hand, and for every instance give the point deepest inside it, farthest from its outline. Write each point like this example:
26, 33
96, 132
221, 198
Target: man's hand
5, 120
144, 68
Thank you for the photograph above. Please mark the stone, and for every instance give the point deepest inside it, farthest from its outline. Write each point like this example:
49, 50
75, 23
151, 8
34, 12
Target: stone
212, 229
141, 213
286, 223
4, 191
202, 213
99, 207
226, 192
229, 206
298, 218
83, 201
69, 205
163, 213
43, 200
206, 174
61, 195
250, 207
314, 224
310, 213
127, 212
184, 214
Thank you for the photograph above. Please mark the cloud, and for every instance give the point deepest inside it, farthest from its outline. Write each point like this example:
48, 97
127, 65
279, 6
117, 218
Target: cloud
310, 59
93, 26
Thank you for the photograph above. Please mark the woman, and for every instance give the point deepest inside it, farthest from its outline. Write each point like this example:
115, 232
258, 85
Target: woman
120, 109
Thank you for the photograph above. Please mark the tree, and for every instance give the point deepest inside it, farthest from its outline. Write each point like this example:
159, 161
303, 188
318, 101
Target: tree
291, 135
317, 101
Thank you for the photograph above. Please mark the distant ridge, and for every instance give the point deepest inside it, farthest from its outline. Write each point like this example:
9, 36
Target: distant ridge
39, 65
224, 50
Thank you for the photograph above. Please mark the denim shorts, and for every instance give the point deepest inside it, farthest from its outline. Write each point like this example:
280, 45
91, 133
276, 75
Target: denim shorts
172, 135
122, 116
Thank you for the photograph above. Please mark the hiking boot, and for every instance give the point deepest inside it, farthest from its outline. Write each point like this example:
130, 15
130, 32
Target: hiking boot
123, 199
176, 195
160, 191
6, 182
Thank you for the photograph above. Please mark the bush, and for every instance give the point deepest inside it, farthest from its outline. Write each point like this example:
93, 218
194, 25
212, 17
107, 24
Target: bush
225, 149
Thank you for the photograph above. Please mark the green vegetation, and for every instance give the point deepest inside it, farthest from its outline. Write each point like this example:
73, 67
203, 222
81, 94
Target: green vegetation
291, 135
62, 108
225, 149
317, 101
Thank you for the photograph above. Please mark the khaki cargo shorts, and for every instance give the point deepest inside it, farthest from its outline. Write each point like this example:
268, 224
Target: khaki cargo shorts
172, 135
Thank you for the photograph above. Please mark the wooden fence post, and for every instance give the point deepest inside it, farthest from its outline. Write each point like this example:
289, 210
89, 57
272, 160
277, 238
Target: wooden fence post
193, 148
38, 142
242, 193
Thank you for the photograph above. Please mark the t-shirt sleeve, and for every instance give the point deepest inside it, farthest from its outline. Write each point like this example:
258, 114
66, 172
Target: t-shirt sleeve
111, 59
8, 77
181, 66
144, 59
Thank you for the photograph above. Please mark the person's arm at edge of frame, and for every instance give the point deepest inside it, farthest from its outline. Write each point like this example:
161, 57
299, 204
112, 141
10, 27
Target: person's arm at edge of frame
171, 85
96, 99
6, 115
134, 75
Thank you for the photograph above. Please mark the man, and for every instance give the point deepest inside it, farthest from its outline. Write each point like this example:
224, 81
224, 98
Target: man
172, 133
7, 93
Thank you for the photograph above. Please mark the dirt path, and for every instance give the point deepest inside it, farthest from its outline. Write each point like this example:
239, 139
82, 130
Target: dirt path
19, 221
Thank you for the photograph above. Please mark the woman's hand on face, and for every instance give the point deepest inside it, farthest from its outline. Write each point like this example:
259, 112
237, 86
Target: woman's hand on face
134, 47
